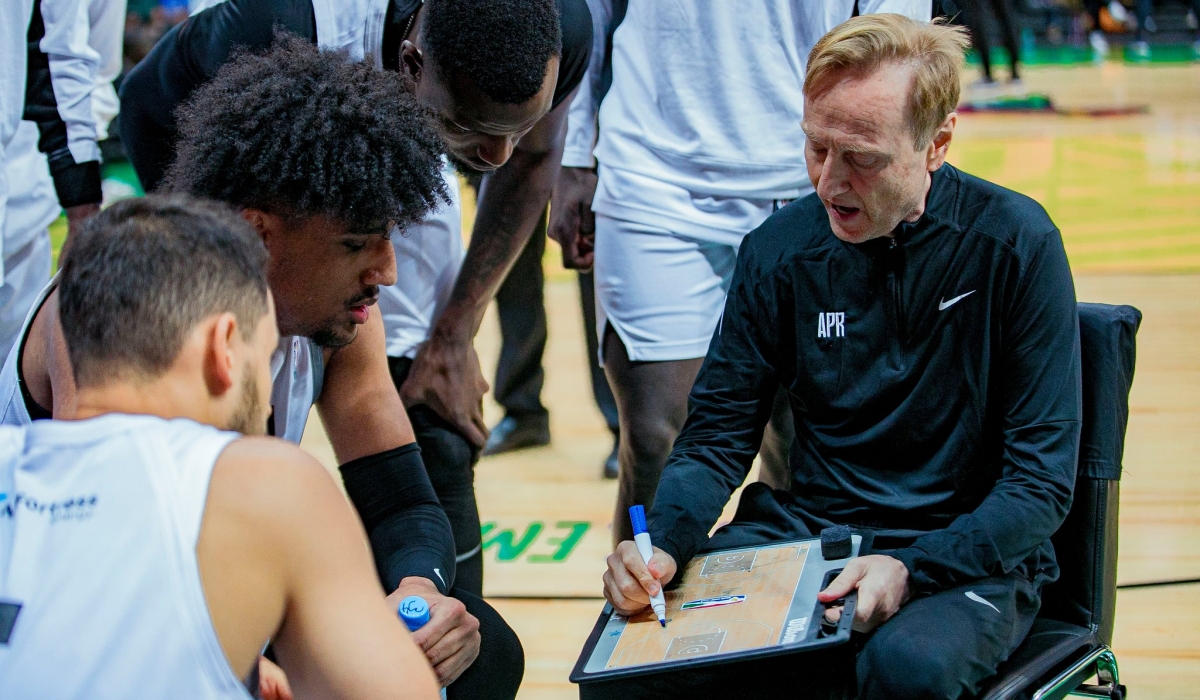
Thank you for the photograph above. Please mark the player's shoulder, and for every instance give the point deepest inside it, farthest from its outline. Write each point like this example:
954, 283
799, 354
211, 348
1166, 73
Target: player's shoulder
575, 21
266, 479
267, 456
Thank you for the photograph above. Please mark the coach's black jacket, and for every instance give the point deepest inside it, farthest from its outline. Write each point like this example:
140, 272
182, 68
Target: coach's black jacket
934, 378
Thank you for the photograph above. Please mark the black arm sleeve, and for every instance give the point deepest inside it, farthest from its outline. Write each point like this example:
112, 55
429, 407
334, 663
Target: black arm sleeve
409, 532
728, 409
75, 183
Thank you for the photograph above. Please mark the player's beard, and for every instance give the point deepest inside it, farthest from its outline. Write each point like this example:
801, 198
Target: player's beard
248, 418
332, 337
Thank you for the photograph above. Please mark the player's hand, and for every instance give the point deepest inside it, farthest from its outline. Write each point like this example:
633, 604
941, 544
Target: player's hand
572, 223
450, 639
272, 681
629, 581
76, 215
882, 585
445, 376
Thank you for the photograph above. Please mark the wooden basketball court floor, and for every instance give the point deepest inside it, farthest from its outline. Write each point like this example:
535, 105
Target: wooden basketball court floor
1125, 192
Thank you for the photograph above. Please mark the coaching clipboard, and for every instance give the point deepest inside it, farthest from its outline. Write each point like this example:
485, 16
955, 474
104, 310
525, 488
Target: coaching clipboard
731, 605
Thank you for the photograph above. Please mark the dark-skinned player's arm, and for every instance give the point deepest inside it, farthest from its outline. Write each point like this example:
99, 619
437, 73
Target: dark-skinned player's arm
386, 480
282, 555
445, 374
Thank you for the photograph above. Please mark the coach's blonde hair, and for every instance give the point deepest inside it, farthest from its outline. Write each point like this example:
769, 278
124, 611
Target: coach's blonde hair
862, 44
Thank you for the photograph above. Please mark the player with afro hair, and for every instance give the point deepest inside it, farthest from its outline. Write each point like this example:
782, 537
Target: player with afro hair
324, 155
345, 141
498, 75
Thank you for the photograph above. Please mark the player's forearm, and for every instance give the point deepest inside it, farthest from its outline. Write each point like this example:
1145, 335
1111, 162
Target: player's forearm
510, 202
409, 532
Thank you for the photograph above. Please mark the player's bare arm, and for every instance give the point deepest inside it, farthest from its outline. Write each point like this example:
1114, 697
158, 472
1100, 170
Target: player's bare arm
282, 556
358, 404
45, 365
445, 375
363, 416
629, 582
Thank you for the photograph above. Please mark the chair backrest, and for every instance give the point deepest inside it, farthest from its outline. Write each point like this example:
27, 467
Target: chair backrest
1086, 544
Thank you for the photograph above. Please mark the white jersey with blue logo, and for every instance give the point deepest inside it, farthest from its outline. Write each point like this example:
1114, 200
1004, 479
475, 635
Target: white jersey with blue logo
297, 373
100, 593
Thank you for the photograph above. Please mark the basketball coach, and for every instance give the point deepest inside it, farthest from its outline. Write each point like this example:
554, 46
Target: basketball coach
923, 324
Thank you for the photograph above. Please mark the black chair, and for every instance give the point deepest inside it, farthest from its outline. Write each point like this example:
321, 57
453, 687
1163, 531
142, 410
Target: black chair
1069, 643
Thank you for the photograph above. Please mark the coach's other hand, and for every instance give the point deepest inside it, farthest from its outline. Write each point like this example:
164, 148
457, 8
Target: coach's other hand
446, 377
882, 585
629, 582
572, 222
450, 639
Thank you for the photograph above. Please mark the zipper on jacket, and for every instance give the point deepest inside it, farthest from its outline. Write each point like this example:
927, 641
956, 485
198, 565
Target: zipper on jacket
895, 281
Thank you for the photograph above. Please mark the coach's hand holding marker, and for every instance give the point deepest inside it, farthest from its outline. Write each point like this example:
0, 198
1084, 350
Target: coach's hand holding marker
642, 539
630, 581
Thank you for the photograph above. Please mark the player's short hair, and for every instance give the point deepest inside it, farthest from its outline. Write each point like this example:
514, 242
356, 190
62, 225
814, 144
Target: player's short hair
142, 273
300, 132
935, 51
502, 46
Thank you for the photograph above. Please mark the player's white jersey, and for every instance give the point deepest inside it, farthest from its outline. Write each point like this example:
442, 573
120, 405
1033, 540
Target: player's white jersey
100, 593
297, 373
13, 410
429, 255
684, 143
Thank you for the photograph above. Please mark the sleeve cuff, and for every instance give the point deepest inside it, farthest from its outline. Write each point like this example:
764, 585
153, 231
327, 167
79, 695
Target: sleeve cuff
911, 558
77, 183
578, 158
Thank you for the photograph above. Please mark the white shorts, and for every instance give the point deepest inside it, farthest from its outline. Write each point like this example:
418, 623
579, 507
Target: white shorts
662, 293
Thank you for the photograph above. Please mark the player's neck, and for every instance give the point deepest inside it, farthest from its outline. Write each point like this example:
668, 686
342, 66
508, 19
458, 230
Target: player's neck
165, 396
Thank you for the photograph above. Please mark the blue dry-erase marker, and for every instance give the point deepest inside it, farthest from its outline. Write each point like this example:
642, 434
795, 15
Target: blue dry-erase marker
637, 515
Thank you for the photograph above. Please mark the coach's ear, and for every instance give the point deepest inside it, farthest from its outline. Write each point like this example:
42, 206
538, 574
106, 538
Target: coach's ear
940, 145
219, 361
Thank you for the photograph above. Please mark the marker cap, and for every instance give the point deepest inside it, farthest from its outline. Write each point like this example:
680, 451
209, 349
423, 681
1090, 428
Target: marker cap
637, 516
414, 612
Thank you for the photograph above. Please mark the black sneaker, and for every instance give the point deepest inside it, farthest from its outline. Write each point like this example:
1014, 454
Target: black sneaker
612, 468
514, 433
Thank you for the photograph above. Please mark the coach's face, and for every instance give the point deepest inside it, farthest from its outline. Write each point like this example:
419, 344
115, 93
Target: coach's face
861, 154
479, 132
324, 277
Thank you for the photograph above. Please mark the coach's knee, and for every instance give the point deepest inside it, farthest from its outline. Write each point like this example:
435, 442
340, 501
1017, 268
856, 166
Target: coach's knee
895, 668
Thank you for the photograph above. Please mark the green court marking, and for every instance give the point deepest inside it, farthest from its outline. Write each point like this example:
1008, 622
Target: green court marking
510, 546
565, 544
507, 547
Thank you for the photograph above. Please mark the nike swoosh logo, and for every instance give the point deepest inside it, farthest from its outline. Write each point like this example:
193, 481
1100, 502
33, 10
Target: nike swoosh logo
439, 575
943, 304
979, 599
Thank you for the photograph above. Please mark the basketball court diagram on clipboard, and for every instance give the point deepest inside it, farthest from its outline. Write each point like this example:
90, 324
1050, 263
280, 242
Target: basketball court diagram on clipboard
730, 603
